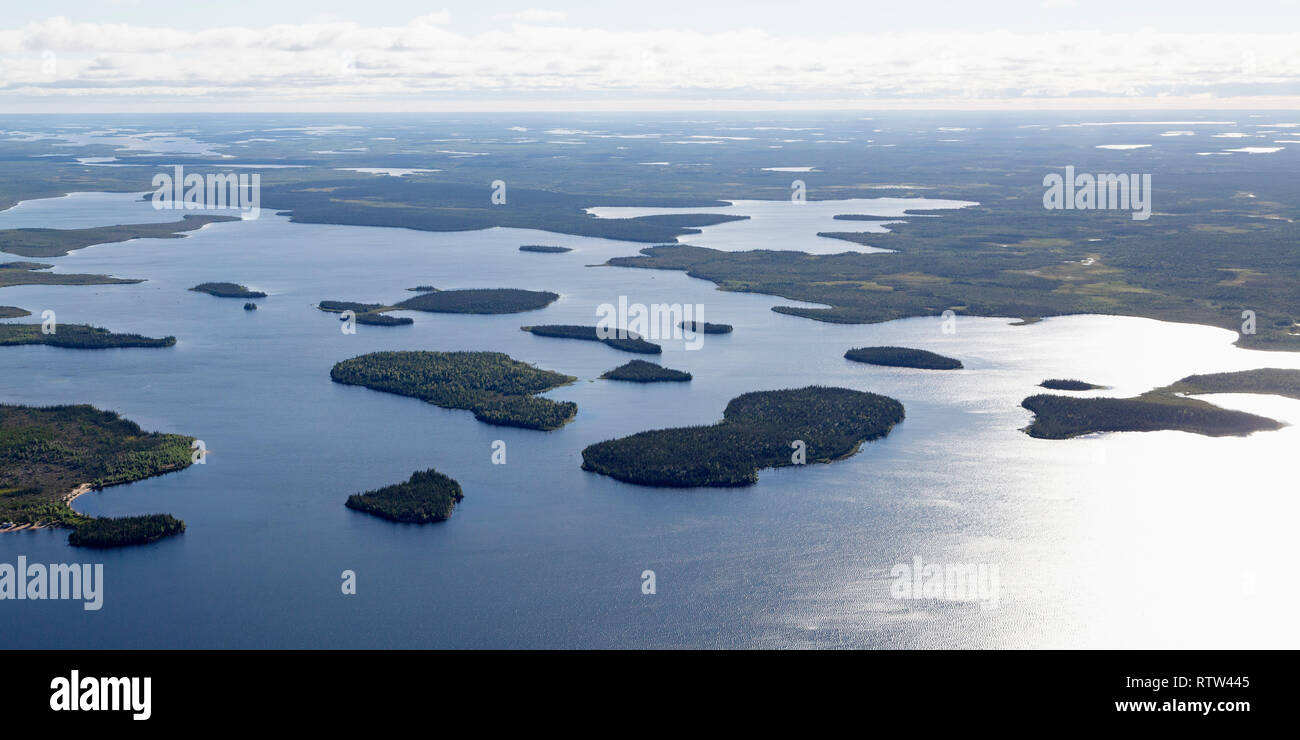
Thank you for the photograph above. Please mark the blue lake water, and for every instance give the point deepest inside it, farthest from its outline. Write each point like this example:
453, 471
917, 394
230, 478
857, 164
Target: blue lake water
1157, 539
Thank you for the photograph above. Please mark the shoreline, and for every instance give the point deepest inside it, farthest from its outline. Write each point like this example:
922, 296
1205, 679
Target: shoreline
68, 498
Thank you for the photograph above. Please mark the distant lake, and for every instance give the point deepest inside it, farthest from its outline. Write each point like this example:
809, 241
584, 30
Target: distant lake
1155, 540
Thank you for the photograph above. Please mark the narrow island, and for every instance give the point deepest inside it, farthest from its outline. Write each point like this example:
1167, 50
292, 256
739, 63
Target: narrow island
13, 312
422, 289
429, 496
1268, 380
51, 455
902, 357
76, 336
496, 388
630, 343
33, 273
705, 327
758, 430
59, 242
640, 371
1069, 384
543, 249
227, 290
432, 300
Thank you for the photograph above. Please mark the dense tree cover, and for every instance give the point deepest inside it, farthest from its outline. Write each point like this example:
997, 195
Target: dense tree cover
543, 249
353, 306
1269, 380
758, 430
379, 319
58, 242
902, 357
706, 327
45, 453
76, 336
227, 290
1062, 417
422, 289
1068, 384
125, 530
33, 273
250, 306
640, 371
631, 343
498, 389
366, 313
13, 312
480, 300
429, 496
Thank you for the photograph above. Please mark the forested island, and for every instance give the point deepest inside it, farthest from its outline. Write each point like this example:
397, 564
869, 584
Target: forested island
640, 371
762, 429
1063, 417
227, 290
498, 389
705, 327
902, 357
76, 336
1069, 384
480, 300
33, 273
125, 530
1268, 380
422, 289
429, 496
250, 306
631, 343
13, 312
543, 249
50, 455
59, 242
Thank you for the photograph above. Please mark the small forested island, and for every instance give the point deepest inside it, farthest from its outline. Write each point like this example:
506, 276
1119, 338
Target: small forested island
33, 273
1063, 417
1069, 384
498, 389
58, 242
76, 336
1268, 380
422, 289
125, 530
762, 429
705, 327
429, 496
227, 290
632, 342
543, 249
50, 455
250, 306
365, 313
13, 312
480, 300
640, 371
902, 357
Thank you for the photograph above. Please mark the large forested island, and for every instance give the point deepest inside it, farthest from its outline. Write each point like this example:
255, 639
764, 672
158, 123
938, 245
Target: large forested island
902, 357
640, 371
227, 290
58, 242
1063, 417
50, 455
632, 342
77, 336
429, 496
762, 429
1268, 380
498, 389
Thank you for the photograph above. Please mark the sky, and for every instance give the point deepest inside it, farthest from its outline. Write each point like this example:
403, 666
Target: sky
386, 55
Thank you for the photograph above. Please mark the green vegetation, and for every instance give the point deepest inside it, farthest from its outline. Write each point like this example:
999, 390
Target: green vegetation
1062, 417
640, 371
631, 343
422, 289
543, 249
1058, 384
76, 336
498, 389
378, 319
429, 496
902, 357
758, 430
47, 453
1268, 380
706, 327
250, 306
58, 242
227, 290
353, 306
480, 300
126, 530
30, 273
13, 312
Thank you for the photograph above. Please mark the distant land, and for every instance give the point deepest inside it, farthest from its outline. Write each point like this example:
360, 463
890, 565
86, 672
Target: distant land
32, 273
59, 242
